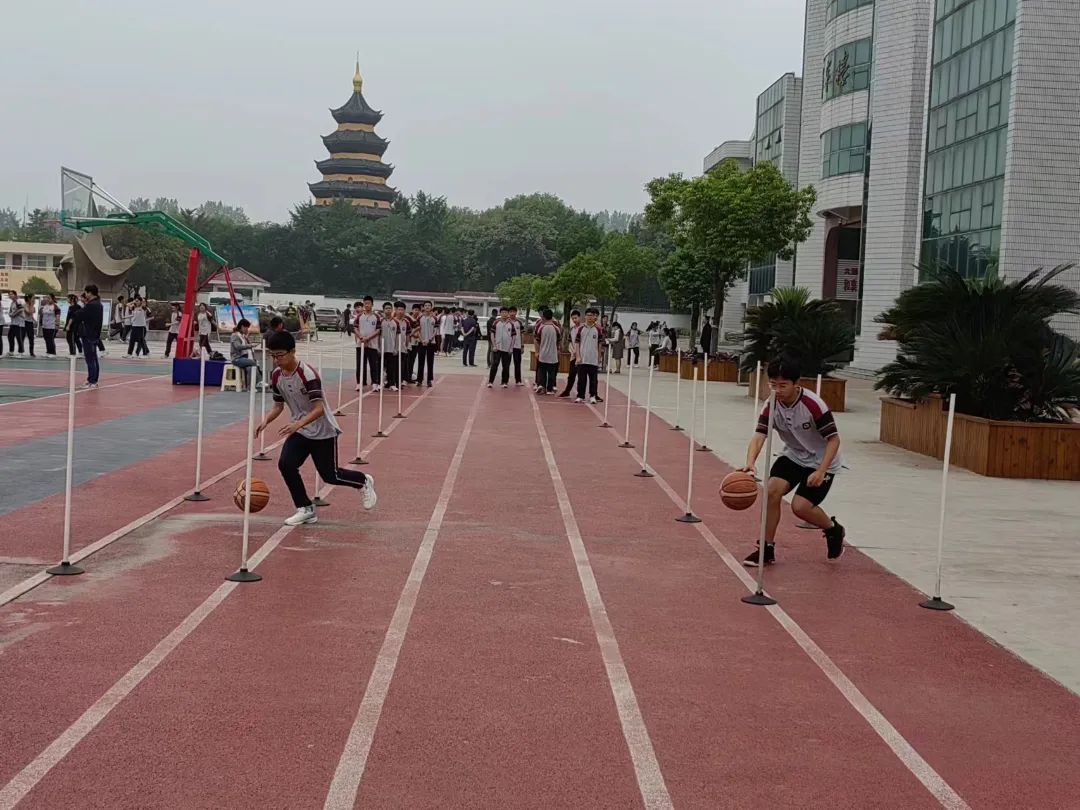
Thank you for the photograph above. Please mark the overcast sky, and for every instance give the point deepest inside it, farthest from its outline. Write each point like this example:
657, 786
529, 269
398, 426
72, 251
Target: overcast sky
483, 99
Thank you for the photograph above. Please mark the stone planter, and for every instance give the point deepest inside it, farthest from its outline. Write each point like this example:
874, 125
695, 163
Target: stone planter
988, 447
833, 390
719, 370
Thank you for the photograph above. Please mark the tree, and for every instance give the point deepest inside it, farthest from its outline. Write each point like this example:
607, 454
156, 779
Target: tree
9, 223
686, 283
580, 280
729, 218
631, 264
36, 285
792, 325
517, 292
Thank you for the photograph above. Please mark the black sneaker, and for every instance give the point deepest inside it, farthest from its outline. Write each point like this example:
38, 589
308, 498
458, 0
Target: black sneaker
834, 538
770, 556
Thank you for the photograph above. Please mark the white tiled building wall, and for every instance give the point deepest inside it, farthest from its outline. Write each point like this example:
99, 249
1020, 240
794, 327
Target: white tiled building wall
812, 251
1041, 218
899, 94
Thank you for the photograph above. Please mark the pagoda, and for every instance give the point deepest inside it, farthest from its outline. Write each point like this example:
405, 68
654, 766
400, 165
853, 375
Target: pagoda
355, 170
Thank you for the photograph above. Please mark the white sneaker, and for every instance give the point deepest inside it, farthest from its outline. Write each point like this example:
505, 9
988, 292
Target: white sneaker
578, 400
359, 388
375, 388
505, 385
490, 385
592, 400
305, 514
370, 498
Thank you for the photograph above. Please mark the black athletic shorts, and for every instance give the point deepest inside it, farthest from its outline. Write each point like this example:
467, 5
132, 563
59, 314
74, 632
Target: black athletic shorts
796, 475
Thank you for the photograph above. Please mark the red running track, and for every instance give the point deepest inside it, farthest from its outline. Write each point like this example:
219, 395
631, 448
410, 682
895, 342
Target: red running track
450, 649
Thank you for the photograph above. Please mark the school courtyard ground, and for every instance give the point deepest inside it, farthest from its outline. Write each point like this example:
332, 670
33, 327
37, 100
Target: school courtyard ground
520, 622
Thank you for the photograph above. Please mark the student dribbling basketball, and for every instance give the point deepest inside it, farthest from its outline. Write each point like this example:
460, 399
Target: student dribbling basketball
809, 462
312, 431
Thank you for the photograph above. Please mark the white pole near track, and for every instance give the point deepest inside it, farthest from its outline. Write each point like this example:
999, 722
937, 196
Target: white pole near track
401, 375
242, 574
936, 603
316, 500
704, 447
607, 400
689, 516
341, 372
757, 390
648, 412
261, 455
818, 390
65, 568
360, 405
629, 404
196, 494
382, 389
759, 597
678, 390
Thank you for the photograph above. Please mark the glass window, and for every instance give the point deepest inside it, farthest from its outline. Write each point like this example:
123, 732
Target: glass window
847, 69
843, 150
834, 8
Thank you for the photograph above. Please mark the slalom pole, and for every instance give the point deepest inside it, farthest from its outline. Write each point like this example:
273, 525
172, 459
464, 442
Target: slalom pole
704, 446
936, 603
382, 388
65, 568
607, 401
262, 454
678, 391
341, 373
196, 494
242, 574
629, 403
645, 448
690, 517
818, 391
360, 406
401, 376
318, 501
758, 597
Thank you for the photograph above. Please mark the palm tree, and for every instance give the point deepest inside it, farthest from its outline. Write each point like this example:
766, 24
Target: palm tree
987, 340
812, 332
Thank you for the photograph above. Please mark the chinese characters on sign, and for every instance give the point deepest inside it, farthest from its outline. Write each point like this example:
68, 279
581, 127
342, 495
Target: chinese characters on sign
847, 280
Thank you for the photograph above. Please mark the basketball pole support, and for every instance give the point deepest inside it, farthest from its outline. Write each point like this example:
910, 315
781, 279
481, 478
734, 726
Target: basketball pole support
242, 574
689, 516
936, 602
65, 568
759, 597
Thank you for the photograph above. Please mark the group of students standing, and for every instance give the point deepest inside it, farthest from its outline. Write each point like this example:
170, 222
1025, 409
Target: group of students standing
26, 315
394, 348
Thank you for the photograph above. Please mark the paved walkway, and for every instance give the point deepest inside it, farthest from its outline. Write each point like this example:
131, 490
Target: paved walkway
1012, 557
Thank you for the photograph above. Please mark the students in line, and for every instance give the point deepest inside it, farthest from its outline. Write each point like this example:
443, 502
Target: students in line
502, 344
546, 337
588, 346
427, 344
571, 378
367, 332
390, 338
518, 347
311, 432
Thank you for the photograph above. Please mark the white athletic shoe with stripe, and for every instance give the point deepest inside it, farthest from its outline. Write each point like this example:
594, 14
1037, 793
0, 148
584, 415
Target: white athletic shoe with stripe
305, 514
370, 498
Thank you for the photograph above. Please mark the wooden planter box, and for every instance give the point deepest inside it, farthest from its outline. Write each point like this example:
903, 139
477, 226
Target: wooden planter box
1048, 451
719, 370
833, 390
564, 362
667, 362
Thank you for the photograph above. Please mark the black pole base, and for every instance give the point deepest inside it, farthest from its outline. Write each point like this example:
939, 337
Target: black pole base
759, 599
689, 517
64, 569
936, 603
704, 449
626, 445
358, 461
196, 496
317, 501
606, 425
261, 457
676, 428
644, 474
400, 416
243, 575
379, 435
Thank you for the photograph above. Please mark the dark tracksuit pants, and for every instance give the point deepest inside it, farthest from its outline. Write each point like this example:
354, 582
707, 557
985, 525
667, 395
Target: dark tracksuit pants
50, 340
426, 355
500, 358
587, 374
410, 364
391, 363
517, 365
371, 359
468, 356
546, 376
323, 452
74, 342
571, 378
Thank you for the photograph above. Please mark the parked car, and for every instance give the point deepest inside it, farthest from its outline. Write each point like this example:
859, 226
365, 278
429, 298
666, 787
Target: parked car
328, 318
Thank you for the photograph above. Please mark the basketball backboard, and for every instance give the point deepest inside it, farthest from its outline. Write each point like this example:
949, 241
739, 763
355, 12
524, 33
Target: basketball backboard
81, 198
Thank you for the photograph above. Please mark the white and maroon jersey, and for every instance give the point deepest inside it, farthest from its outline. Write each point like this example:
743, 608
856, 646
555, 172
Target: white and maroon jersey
518, 344
391, 331
429, 328
805, 428
503, 335
574, 329
588, 339
368, 327
300, 390
547, 342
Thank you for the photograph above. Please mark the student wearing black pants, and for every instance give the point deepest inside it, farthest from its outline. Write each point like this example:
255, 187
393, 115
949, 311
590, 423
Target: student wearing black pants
571, 379
588, 343
502, 358
502, 343
588, 374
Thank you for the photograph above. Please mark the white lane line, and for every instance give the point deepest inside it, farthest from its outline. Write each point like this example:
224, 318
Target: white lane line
79, 391
350, 769
650, 779
912, 760
26, 779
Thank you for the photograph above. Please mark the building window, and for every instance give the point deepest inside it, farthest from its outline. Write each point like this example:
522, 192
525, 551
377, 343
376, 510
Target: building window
843, 150
847, 69
36, 262
16, 261
762, 276
835, 8
967, 133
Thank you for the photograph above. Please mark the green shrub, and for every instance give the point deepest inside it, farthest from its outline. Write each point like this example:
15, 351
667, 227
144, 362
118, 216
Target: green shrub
813, 332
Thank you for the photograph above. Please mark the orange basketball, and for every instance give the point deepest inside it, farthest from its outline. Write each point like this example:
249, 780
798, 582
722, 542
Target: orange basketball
260, 495
738, 490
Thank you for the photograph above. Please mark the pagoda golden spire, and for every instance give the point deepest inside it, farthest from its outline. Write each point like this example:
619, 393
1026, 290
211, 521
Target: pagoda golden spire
357, 79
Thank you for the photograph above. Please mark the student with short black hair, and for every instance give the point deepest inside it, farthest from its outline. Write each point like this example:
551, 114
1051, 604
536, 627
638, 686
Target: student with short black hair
502, 343
519, 344
428, 344
174, 328
588, 342
546, 339
809, 461
571, 378
312, 431
240, 351
367, 335
88, 321
389, 333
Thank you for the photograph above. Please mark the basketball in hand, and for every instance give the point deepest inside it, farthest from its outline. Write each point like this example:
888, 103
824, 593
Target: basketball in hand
260, 495
738, 490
